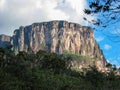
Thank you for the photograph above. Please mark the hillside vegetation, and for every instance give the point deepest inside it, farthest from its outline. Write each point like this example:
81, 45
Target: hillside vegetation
47, 71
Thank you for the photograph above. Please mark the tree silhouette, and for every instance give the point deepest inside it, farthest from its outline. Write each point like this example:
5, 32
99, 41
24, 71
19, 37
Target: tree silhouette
110, 9
107, 14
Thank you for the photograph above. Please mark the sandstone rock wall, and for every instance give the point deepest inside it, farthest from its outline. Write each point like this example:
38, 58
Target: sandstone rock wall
58, 37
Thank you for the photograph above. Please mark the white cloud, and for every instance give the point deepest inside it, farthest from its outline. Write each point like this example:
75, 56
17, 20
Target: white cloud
107, 47
2, 3
99, 38
14, 13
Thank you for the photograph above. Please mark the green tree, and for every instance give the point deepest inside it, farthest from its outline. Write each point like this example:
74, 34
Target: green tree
2, 53
53, 62
95, 77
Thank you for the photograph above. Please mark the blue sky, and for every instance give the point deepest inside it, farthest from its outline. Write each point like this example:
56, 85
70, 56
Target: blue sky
14, 13
111, 49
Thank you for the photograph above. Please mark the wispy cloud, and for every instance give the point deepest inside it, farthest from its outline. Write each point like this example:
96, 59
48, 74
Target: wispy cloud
99, 38
107, 47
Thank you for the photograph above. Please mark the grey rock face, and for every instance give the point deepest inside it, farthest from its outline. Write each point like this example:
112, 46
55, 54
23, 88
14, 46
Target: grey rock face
5, 40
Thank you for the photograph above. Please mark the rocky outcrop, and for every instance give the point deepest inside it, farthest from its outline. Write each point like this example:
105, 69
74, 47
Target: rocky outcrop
58, 37
5, 40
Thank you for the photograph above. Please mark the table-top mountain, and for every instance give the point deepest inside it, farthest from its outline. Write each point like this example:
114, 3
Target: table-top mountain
56, 36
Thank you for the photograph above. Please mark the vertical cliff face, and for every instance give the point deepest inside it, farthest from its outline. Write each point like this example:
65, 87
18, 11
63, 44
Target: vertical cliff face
55, 36
5, 40
58, 37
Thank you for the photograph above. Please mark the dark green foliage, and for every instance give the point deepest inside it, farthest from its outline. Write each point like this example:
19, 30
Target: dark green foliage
53, 62
50, 61
95, 77
47, 71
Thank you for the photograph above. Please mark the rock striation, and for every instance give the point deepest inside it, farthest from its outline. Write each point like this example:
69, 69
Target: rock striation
56, 36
